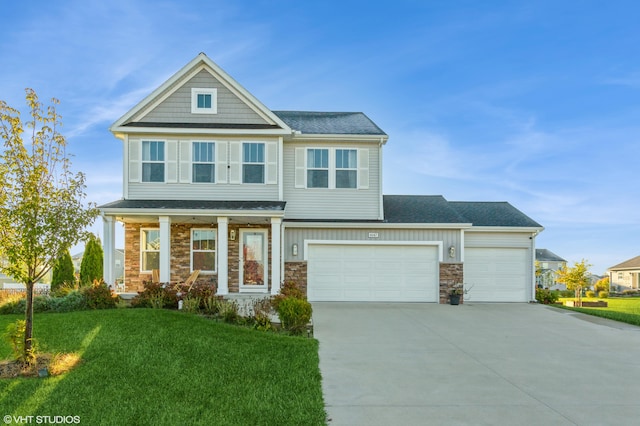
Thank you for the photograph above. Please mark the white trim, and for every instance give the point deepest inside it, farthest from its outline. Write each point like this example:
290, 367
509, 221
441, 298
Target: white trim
191, 212
165, 248
376, 225
276, 252
264, 288
280, 169
223, 255
145, 271
307, 243
339, 137
125, 166
215, 250
195, 131
109, 250
524, 229
195, 92
461, 248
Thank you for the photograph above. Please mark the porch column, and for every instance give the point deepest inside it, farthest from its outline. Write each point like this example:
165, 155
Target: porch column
276, 224
223, 255
108, 245
165, 249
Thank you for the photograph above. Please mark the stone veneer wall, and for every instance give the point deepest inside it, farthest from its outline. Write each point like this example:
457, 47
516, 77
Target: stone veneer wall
450, 275
297, 272
180, 256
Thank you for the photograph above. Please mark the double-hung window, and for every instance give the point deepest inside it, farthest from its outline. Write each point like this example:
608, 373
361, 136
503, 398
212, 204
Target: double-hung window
252, 162
204, 167
152, 161
317, 168
346, 168
149, 249
203, 250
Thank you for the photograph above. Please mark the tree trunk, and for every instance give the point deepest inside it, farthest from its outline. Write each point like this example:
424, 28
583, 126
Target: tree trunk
28, 326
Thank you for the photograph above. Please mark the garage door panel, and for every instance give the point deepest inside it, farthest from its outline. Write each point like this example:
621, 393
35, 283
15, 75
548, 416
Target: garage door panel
372, 273
497, 274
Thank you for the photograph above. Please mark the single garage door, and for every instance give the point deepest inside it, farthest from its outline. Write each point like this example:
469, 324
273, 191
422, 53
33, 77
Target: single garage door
497, 274
368, 273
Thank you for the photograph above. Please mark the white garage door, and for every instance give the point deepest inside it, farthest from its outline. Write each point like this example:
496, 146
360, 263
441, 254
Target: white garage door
497, 275
363, 273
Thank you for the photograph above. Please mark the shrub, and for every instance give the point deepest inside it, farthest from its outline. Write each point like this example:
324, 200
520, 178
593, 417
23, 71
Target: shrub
156, 295
14, 335
100, 296
262, 315
211, 304
546, 296
294, 314
590, 293
288, 289
567, 293
91, 267
603, 294
64, 289
63, 273
191, 304
228, 311
73, 301
602, 285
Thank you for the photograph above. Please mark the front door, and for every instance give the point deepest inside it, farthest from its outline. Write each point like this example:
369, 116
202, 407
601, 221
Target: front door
253, 260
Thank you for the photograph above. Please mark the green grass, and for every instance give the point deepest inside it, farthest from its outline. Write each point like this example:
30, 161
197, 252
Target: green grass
159, 367
624, 309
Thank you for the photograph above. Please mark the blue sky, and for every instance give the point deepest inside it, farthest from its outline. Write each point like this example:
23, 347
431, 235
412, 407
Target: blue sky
534, 103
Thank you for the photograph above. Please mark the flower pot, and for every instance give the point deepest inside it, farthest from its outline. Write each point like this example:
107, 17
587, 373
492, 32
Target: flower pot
454, 299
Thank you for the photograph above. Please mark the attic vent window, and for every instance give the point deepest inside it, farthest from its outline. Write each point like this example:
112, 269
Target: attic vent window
204, 101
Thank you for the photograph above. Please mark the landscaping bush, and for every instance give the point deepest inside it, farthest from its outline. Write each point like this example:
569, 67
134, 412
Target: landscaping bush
262, 315
14, 335
73, 301
603, 294
294, 314
567, 293
288, 289
100, 296
590, 293
228, 311
156, 295
546, 296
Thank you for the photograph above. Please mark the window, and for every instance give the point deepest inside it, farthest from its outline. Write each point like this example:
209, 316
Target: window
346, 168
150, 249
203, 250
204, 101
204, 168
317, 168
253, 162
152, 161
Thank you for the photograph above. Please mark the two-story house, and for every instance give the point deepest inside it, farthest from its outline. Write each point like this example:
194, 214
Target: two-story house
217, 182
548, 264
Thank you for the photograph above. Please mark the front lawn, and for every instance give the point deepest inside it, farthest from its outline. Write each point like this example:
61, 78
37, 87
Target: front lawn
623, 309
161, 367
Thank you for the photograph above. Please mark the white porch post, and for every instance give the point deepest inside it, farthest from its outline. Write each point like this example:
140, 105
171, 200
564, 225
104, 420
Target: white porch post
165, 249
276, 224
223, 255
108, 244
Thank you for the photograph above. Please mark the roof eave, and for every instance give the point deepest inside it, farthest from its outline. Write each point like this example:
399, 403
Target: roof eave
190, 212
532, 229
121, 130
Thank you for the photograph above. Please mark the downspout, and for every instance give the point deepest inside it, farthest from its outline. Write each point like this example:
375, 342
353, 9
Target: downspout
380, 175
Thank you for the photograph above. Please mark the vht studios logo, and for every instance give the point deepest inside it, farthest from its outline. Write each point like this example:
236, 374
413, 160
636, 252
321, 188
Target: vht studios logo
41, 420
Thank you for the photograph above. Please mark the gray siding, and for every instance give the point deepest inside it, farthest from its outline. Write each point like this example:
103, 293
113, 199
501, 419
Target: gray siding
316, 203
449, 237
177, 107
497, 239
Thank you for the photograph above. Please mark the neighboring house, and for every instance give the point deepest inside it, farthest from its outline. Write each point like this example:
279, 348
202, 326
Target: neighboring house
625, 275
118, 264
549, 263
215, 181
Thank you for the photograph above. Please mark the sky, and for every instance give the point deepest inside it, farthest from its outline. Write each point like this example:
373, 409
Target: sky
534, 103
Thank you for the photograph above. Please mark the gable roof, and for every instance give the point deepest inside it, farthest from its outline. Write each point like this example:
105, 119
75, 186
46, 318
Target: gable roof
544, 255
493, 214
199, 63
419, 209
332, 123
633, 263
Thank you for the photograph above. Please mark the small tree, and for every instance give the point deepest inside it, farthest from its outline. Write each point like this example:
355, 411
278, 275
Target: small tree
601, 285
576, 277
63, 271
91, 267
41, 199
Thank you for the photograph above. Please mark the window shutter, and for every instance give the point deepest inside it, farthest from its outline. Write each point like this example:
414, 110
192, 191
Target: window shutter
272, 162
300, 168
363, 168
235, 169
221, 162
134, 160
185, 161
171, 161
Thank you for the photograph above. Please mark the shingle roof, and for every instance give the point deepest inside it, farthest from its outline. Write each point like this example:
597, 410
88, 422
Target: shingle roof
544, 255
633, 263
419, 209
194, 205
493, 214
330, 123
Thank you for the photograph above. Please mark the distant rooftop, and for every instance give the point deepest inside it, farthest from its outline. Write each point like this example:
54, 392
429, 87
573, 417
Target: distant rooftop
544, 255
633, 263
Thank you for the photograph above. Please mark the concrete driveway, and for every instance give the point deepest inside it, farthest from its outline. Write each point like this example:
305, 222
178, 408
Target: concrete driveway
475, 364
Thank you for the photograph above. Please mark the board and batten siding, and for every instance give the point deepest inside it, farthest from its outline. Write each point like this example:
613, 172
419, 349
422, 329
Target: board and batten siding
449, 237
178, 165
363, 203
176, 108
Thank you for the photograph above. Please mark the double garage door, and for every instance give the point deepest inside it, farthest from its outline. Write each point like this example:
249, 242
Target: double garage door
372, 273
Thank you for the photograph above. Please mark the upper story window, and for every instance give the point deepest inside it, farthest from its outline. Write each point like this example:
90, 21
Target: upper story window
252, 162
317, 168
204, 167
346, 168
149, 249
204, 101
203, 250
152, 161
